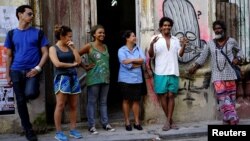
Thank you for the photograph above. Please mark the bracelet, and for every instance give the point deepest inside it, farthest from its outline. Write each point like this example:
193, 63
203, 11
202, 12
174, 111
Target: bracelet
38, 68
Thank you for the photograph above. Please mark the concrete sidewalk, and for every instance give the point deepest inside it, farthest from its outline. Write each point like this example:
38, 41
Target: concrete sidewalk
151, 132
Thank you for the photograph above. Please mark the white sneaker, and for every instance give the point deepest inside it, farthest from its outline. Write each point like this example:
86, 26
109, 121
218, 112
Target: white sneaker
93, 131
109, 128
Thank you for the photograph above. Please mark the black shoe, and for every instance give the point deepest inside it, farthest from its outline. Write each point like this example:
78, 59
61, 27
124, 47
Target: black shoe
30, 135
128, 127
138, 127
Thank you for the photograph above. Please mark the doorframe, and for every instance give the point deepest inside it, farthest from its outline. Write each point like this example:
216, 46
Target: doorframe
89, 16
137, 20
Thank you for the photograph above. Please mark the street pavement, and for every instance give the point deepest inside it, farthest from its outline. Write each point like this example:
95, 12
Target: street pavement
195, 131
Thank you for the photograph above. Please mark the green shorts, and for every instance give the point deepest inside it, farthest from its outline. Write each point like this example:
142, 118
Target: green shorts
166, 83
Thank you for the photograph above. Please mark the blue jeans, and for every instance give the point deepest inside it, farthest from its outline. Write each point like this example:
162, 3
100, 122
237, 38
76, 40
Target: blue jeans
23, 86
97, 94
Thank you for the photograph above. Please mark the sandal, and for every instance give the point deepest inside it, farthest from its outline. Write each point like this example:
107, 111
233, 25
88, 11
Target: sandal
166, 126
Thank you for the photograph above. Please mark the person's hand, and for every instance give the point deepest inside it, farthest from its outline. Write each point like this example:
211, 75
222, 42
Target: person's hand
88, 67
9, 80
156, 38
70, 44
184, 41
32, 73
193, 69
75, 64
236, 61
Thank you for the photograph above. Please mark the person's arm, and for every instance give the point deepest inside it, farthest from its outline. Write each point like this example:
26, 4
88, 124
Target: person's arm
75, 52
151, 47
37, 69
85, 49
238, 55
54, 59
183, 44
200, 61
124, 61
8, 64
45, 56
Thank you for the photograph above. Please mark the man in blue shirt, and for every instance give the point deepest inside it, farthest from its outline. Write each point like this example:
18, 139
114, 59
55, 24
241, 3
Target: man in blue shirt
27, 52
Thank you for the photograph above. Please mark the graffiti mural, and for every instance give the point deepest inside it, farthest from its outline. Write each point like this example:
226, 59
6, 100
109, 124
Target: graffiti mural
185, 25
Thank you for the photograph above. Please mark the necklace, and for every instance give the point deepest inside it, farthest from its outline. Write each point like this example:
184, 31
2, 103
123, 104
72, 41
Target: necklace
216, 55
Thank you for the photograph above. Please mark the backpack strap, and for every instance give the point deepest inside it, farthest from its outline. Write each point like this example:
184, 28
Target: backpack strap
40, 37
10, 37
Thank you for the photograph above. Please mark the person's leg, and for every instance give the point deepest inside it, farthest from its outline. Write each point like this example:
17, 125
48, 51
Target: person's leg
19, 80
173, 89
73, 115
225, 93
160, 87
93, 92
103, 96
163, 100
32, 87
73, 110
73, 100
60, 104
19, 83
136, 111
231, 90
171, 105
126, 111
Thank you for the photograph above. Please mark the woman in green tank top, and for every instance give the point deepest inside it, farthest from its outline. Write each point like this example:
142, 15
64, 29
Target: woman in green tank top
97, 78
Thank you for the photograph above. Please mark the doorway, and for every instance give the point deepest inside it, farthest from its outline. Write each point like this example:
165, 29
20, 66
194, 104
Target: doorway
116, 16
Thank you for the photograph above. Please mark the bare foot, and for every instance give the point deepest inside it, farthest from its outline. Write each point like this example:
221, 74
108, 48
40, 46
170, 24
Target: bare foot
166, 126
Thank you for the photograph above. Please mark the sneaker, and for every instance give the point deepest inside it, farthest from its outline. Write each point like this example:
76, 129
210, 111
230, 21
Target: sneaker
30, 135
60, 136
108, 127
76, 134
93, 131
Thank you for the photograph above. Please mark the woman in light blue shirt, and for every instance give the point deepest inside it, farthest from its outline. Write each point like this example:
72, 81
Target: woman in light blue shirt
131, 58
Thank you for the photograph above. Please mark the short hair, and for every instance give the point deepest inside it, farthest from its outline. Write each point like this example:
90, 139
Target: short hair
164, 19
220, 23
126, 35
21, 9
61, 30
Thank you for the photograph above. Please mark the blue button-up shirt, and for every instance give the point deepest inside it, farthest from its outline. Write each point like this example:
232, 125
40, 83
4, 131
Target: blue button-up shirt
127, 74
